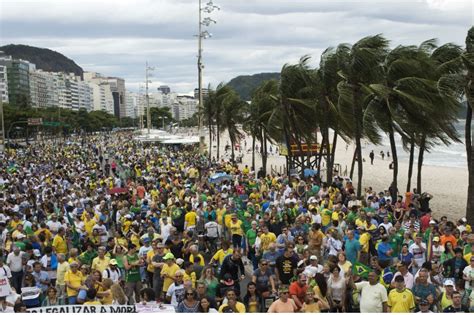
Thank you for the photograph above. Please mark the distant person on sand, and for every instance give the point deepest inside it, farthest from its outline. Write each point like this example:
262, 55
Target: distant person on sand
372, 156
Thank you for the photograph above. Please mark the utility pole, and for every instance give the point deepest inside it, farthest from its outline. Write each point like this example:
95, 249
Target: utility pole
200, 66
202, 34
148, 114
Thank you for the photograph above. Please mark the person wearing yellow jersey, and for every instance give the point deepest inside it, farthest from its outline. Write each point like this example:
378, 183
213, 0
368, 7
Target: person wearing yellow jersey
168, 271
235, 227
246, 170
189, 275
364, 245
400, 299
195, 255
190, 220
222, 253
14, 223
74, 282
89, 223
59, 243
101, 262
266, 239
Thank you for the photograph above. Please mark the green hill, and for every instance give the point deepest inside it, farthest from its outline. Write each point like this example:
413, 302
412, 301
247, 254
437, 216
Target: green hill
44, 59
246, 84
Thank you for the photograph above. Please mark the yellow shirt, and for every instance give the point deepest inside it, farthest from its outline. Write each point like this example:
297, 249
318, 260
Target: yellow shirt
61, 272
47, 233
191, 278
75, 280
201, 263
266, 239
221, 254
190, 219
236, 228
14, 224
170, 271
60, 245
149, 257
401, 302
220, 214
107, 299
92, 303
239, 306
89, 225
364, 242
100, 264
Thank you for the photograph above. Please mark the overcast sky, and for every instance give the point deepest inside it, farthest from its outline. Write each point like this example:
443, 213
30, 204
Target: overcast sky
116, 37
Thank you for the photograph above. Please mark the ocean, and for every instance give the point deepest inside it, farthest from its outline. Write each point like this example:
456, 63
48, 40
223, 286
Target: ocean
453, 155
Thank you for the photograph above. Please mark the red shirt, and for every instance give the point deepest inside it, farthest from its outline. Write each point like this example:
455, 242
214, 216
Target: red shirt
300, 292
425, 222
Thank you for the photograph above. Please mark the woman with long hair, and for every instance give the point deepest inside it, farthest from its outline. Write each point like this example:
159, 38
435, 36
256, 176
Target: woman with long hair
205, 306
118, 295
211, 281
321, 290
343, 263
337, 291
51, 298
189, 304
252, 299
448, 252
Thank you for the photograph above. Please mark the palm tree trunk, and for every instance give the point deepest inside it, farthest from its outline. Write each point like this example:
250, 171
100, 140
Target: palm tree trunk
210, 140
393, 148
218, 139
329, 164
359, 165
253, 152
331, 156
232, 149
420, 163
470, 164
320, 152
351, 174
410, 164
264, 155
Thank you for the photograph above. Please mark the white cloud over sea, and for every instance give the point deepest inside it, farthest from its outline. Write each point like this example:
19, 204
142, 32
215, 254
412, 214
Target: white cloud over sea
116, 37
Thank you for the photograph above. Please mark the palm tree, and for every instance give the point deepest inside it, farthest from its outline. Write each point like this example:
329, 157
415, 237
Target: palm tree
232, 110
362, 68
468, 61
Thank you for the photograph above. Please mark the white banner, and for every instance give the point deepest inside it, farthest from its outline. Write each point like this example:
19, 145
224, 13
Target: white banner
139, 308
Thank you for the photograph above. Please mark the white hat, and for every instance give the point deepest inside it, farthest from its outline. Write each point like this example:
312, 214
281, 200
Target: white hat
180, 261
448, 282
432, 222
464, 220
37, 252
313, 257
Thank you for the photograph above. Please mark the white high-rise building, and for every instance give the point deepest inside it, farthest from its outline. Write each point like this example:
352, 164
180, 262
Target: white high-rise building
85, 95
43, 89
132, 104
184, 107
3, 83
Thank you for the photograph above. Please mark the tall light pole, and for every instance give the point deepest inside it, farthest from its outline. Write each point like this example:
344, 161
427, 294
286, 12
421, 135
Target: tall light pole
3, 124
148, 113
203, 34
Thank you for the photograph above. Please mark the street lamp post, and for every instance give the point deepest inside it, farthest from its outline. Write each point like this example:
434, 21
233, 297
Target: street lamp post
3, 124
148, 114
203, 34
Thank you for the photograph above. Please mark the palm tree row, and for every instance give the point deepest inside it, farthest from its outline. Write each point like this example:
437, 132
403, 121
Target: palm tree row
359, 92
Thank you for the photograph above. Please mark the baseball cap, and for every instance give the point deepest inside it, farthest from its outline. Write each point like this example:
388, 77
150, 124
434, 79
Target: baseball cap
448, 282
113, 262
313, 257
179, 261
168, 256
37, 252
432, 222
424, 302
436, 239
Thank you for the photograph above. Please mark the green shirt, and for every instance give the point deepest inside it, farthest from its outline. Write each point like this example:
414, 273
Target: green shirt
133, 274
251, 236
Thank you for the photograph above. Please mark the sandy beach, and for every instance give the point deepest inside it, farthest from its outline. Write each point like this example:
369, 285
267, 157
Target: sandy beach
448, 185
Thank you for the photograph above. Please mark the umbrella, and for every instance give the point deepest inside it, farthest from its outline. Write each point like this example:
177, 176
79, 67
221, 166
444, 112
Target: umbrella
219, 178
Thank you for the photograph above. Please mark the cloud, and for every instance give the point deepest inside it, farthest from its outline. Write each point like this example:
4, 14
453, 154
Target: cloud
116, 37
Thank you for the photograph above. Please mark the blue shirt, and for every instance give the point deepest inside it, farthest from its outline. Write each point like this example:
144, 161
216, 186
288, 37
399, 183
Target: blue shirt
352, 247
382, 251
41, 276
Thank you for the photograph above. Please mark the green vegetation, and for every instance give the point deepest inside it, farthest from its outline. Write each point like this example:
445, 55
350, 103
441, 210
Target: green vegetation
44, 59
358, 92
245, 85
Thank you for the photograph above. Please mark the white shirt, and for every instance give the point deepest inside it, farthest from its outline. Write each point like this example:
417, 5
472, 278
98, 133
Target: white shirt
212, 229
177, 293
409, 279
53, 226
418, 253
469, 272
5, 271
372, 297
15, 262
113, 275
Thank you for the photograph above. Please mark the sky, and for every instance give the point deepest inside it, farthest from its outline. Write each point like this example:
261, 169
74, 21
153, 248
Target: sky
117, 37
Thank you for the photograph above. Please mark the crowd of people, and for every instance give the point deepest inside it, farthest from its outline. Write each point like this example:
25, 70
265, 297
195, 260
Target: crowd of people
105, 220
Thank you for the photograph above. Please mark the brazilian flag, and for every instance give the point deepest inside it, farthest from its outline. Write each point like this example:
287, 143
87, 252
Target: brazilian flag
361, 270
